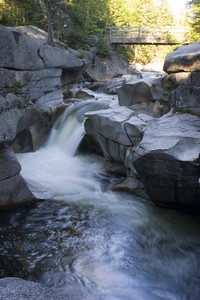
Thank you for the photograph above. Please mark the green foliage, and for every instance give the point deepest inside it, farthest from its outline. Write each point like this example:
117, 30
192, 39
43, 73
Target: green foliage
17, 85
195, 19
119, 16
80, 53
16, 13
128, 51
164, 15
103, 49
144, 13
74, 21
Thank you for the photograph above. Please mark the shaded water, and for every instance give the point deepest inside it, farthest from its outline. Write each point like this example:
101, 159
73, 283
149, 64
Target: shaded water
89, 243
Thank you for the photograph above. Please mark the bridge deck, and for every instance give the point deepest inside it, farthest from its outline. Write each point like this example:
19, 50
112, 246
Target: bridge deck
157, 35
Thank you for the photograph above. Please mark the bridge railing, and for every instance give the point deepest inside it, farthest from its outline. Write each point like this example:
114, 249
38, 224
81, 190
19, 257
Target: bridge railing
148, 35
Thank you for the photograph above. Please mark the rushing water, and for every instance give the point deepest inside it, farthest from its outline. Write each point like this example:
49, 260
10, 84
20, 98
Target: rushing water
89, 243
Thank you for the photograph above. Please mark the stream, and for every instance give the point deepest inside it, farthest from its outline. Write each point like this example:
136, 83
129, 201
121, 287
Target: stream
89, 243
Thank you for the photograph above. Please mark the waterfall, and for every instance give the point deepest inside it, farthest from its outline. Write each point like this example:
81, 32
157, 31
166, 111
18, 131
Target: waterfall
55, 165
69, 129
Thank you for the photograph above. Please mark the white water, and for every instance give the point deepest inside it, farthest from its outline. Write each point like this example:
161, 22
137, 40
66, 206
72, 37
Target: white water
55, 165
131, 250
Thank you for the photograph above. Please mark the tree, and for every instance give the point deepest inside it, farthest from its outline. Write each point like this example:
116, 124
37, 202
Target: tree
119, 14
164, 14
16, 13
51, 8
144, 13
86, 18
195, 18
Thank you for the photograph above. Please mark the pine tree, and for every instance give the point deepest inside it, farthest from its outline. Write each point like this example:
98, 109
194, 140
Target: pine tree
164, 14
120, 16
195, 19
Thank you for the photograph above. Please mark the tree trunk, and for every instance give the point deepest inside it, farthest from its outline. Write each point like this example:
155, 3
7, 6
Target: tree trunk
50, 27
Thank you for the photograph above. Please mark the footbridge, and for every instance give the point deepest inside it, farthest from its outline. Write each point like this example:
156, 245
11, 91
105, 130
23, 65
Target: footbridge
148, 35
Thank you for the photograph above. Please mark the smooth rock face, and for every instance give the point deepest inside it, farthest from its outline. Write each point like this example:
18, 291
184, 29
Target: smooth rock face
160, 153
19, 51
183, 91
159, 148
18, 115
30, 98
59, 57
167, 160
143, 96
133, 93
105, 69
50, 101
116, 131
13, 288
105, 121
10, 115
185, 58
14, 190
32, 70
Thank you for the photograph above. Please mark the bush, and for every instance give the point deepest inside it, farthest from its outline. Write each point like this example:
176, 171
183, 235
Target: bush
103, 48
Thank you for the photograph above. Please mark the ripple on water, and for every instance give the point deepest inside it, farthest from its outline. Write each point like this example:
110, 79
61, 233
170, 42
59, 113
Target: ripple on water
89, 243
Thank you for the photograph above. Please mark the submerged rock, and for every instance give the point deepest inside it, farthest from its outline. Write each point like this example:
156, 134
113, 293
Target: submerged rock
13, 288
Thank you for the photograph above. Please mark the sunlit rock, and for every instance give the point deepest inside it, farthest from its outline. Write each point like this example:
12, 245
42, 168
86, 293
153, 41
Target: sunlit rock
185, 58
19, 48
105, 69
59, 57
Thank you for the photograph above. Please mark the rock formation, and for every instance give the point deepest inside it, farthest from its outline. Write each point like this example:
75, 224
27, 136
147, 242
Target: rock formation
153, 136
32, 75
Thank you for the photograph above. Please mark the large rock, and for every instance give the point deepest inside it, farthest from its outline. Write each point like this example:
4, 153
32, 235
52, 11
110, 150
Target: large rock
60, 57
13, 288
105, 120
50, 102
25, 48
14, 190
19, 121
167, 160
183, 91
16, 115
143, 96
32, 83
116, 131
158, 154
19, 51
105, 69
185, 58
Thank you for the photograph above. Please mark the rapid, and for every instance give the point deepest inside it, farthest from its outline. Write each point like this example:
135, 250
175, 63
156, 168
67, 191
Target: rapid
89, 243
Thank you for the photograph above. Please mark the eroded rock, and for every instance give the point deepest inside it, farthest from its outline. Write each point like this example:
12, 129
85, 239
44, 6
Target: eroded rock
183, 59
167, 160
14, 190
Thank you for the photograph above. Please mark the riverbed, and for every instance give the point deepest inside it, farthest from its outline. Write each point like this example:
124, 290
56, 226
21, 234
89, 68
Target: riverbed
89, 243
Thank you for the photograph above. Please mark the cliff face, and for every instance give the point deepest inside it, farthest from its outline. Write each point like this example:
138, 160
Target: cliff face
32, 74
156, 136
151, 136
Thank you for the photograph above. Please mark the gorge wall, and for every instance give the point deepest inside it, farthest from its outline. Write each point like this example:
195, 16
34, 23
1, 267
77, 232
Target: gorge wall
32, 74
152, 136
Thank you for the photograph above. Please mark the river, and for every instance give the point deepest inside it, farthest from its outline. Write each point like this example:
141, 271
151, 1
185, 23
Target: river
89, 243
